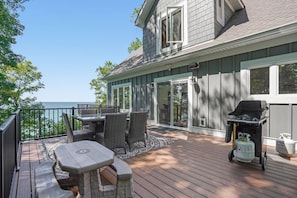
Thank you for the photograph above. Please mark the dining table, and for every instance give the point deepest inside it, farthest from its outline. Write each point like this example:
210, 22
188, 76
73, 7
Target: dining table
84, 158
95, 121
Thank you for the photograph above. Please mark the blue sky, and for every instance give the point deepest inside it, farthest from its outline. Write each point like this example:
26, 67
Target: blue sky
68, 39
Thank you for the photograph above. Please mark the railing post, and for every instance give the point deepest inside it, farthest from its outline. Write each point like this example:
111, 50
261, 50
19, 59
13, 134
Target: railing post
1, 166
39, 125
17, 134
72, 113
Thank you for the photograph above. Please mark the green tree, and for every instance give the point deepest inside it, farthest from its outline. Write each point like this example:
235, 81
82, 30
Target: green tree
10, 27
135, 13
27, 80
135, 45
99, 85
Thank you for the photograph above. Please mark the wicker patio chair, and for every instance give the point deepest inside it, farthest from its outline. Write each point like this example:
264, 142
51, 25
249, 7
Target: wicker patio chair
108, 109
85, 112
137, 128
76, 135
113, 135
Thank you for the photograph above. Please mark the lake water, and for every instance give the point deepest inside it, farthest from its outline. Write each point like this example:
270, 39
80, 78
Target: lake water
63, 104
55, 114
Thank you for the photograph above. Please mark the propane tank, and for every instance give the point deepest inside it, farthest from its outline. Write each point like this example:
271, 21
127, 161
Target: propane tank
245, 148
285, 145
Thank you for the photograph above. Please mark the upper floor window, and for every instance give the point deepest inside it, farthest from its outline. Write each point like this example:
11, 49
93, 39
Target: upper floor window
220, 11
172, 26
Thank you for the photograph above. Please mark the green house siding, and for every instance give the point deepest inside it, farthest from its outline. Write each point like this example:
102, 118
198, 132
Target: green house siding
217, 91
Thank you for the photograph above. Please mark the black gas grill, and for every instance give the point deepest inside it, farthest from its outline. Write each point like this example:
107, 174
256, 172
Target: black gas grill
249, 117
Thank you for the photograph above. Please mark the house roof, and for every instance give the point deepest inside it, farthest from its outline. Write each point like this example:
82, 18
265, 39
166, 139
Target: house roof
260, 20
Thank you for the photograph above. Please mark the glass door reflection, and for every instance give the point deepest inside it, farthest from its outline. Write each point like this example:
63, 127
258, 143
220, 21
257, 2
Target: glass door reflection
180, 104
163, 101
172, 100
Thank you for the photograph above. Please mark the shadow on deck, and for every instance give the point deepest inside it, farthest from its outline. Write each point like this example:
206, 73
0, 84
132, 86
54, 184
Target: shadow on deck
194, 165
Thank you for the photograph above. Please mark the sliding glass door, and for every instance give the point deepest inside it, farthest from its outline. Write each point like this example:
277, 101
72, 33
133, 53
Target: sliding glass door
172, 103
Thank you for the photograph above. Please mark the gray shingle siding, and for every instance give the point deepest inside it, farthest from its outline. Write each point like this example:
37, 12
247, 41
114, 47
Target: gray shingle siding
200, 24
200, 21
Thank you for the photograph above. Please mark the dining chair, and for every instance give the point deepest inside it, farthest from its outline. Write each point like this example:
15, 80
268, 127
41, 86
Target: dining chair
108, 109
145, 109
137, 128
113, 135
76, 135
85, 112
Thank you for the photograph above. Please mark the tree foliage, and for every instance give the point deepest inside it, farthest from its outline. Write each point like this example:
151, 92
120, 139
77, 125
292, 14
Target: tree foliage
20, 82
135, 45
10, 27
99, 85
27, 80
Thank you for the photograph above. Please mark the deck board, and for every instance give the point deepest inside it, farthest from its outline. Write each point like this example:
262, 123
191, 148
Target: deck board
194, 165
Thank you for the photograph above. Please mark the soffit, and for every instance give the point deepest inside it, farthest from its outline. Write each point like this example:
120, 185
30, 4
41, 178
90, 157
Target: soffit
236, 4
144, 12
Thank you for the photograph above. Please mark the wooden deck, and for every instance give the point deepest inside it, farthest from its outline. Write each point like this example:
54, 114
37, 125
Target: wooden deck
193, 166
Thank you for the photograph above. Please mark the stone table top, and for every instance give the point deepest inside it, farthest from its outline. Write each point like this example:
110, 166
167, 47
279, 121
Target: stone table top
83, 156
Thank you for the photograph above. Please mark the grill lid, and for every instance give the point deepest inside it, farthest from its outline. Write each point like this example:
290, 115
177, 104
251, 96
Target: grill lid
250, 110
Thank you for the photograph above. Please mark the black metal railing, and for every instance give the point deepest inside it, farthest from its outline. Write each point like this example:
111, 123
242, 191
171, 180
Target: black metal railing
10, 139
29, 124
46, 122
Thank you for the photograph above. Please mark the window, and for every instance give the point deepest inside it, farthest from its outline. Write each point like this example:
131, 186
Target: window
287, 78
273, 79
121, 96
164, 34
220, 5
172, 27
259, 81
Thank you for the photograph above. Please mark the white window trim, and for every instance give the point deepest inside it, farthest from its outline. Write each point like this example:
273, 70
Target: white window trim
169, 15
123, 86
272, 63
162, 15
221, 20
